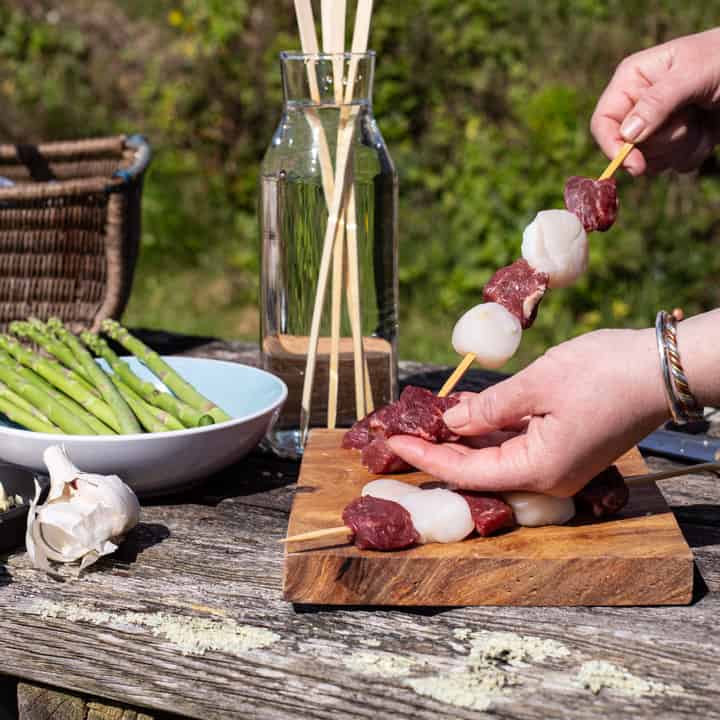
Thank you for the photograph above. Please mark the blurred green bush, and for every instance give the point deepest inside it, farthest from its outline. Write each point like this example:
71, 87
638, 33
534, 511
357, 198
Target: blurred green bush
485, 106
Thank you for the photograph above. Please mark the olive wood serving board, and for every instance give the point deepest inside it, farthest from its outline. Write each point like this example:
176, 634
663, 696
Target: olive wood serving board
638, 557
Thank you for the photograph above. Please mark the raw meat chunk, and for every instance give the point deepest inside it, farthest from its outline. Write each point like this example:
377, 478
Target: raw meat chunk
489, 513
595, 202
379, 524
418, 412
379, 458
606, 494
358, 436
519, 288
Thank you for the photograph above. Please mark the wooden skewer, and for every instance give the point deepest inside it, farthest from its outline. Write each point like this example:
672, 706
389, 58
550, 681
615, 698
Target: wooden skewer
617, 161
363, 389
459, 371
333, 27
342, 530
346, 131
309, 42
675, 472
346, 532
467, 361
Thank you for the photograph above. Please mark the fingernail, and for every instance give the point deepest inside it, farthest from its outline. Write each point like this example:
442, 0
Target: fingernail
632, 127
457, 416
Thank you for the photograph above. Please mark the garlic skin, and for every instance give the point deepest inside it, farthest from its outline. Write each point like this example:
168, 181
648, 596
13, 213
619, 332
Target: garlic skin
84, 517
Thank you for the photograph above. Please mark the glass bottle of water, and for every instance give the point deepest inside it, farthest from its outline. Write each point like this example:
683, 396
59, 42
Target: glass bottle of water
293, 220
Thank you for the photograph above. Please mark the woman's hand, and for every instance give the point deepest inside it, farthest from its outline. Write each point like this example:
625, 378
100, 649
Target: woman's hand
666, 100
552, 427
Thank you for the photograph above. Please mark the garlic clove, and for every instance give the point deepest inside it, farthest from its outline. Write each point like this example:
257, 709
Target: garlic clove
85, 517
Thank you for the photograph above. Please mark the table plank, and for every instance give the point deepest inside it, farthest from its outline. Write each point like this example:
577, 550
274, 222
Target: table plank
206, 566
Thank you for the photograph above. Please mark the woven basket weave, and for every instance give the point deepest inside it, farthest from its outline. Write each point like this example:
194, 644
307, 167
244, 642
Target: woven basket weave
70, 228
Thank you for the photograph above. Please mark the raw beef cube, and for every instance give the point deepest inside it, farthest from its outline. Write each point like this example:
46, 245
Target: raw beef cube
595, 202
358, 436
420, 414
379, 524
519, 288
380, 459
606, 494
489, 513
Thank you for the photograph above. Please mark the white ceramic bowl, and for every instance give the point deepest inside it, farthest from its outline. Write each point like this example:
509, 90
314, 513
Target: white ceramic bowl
157, 463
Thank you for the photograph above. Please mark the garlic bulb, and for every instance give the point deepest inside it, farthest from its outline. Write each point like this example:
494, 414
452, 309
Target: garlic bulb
84, 517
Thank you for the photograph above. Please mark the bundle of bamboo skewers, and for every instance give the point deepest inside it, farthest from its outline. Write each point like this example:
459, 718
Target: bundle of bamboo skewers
339, 263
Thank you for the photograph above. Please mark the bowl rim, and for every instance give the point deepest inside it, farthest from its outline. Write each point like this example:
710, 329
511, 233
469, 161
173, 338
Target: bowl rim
60, 438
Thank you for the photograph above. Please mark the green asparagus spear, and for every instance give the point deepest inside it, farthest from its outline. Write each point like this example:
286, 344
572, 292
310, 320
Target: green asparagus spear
187, 414
23, 404
151, 418
57, 413
21, 412
67, 388
36, 331
156, 364
101, 381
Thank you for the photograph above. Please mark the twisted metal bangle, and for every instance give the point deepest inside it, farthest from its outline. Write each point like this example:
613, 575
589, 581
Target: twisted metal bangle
684, 408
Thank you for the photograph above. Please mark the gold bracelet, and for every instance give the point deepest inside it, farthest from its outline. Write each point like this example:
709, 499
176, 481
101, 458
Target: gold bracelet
683, 405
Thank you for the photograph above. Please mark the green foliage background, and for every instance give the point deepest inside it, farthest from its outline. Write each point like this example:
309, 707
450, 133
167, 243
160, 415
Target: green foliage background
484, 104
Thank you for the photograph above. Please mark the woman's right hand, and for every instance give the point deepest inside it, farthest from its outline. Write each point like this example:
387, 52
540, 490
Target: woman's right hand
666, 100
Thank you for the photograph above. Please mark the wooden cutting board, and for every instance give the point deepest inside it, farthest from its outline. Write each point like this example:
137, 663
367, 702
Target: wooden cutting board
638, 557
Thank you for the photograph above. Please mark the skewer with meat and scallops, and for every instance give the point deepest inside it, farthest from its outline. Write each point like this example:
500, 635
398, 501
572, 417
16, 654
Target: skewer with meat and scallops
394, 515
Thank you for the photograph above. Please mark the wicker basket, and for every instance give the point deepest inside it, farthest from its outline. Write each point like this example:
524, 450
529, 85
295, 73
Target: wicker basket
70, 228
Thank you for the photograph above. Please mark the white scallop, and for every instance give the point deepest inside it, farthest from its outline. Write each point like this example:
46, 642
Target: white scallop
489, 331
439, 515
535, 509
387, 489
556, 243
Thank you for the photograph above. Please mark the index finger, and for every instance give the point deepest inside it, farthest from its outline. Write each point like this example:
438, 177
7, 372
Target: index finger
617, 100
494, 469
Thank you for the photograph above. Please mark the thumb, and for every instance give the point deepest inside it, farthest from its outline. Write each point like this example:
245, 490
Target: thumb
657, 104
499, 406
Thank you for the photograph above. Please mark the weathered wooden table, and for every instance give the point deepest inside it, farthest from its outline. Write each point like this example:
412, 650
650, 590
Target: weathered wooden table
187, 618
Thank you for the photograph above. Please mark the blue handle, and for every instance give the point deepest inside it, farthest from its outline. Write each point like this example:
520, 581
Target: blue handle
143, 154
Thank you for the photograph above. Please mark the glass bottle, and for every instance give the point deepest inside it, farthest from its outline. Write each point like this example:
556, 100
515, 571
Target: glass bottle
293, 219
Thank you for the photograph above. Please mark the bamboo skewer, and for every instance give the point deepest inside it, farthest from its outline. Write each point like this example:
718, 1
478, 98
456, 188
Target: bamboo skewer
363, 390
309, 42
467, 361
617, 161
346, 532
341, 530
346, 131
333, 29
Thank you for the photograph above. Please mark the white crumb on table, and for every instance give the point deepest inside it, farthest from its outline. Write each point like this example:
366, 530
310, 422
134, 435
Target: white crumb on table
191, 635
382, 664
597, 675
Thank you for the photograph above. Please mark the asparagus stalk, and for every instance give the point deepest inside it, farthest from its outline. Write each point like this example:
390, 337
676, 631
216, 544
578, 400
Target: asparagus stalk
74, 393
151, 418
156, 364
21, 412
101, 381
36, 331
187, 414
57, 413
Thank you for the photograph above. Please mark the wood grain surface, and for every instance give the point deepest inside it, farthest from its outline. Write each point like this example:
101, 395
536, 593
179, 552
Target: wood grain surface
636, 558
212, 555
